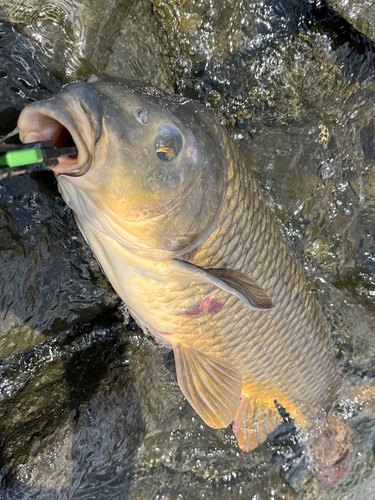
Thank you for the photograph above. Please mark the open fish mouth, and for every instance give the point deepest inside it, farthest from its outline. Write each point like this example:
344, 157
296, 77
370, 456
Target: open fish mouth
66, 124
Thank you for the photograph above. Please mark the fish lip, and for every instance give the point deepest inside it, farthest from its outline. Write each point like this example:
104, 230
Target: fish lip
58, 110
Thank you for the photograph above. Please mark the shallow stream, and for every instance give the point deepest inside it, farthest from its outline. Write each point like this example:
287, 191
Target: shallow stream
89, 404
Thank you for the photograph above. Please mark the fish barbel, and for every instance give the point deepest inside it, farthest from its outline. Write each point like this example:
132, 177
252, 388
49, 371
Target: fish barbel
188, 241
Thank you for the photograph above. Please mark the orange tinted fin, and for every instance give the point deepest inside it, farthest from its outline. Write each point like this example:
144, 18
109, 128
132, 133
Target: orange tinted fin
229, 280
253, 422
210, 384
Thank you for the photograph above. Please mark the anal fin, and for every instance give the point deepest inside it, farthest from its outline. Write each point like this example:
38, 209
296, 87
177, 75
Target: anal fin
253, 421
211, 384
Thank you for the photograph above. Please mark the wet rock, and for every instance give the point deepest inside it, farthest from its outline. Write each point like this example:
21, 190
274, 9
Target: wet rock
138, 51
49, 277
206, 30
77, 417
361, 14
23, 78
110, 420
76, 39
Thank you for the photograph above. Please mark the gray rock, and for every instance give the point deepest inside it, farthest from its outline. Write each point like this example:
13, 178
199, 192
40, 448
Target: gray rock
75, 417
359, 13
113, 37
49, 277
95, 411
23, 78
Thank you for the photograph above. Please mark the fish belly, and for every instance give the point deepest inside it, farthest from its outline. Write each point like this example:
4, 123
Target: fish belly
279, 356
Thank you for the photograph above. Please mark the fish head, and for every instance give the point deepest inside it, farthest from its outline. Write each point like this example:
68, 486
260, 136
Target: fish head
151, 169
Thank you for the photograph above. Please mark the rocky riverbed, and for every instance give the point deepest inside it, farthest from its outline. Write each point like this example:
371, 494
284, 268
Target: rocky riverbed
90, 406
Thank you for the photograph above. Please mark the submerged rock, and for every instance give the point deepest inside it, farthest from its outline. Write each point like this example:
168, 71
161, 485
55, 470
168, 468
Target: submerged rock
360, 14
110, 37
75, 418
91, 408
49, 277
23, 78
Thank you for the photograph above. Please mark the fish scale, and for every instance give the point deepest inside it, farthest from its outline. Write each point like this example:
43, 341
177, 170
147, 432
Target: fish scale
188, 241
300, 325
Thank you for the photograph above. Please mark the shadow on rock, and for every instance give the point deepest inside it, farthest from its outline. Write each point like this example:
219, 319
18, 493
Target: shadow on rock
77, 419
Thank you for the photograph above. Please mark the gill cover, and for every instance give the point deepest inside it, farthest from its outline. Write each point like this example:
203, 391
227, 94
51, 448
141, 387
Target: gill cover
158, 173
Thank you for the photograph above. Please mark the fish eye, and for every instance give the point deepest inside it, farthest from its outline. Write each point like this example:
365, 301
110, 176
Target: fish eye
169, 143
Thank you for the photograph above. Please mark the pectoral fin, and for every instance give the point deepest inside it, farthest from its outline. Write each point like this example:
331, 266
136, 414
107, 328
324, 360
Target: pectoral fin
253, 422
210, 384
229, 280
245, 286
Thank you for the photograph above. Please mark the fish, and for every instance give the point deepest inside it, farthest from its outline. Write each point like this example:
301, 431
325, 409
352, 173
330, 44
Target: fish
187, 239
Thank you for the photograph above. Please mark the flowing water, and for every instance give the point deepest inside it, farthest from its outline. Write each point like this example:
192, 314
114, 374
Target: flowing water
89, 404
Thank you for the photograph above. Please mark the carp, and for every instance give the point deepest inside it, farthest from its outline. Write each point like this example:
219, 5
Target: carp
187, 239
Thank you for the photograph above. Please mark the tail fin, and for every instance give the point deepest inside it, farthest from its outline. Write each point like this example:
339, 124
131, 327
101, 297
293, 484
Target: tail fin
330, 451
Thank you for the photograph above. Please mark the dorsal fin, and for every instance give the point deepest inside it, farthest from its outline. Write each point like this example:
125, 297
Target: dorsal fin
229, 280
210, 384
